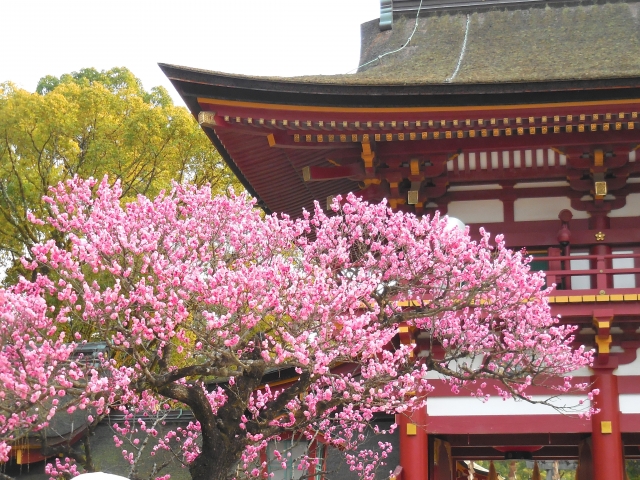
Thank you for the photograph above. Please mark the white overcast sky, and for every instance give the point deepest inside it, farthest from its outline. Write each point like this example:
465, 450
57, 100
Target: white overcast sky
254, 37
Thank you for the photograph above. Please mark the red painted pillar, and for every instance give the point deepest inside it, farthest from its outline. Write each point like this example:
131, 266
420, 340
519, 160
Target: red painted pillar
414, 446
599, 221
606, 440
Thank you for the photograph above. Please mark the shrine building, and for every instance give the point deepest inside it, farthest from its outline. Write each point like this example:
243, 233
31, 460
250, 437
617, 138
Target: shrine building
517, 116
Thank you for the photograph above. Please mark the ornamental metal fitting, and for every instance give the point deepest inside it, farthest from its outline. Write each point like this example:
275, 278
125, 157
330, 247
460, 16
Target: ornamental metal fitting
599, 236
207, 119
386, 14
600, 189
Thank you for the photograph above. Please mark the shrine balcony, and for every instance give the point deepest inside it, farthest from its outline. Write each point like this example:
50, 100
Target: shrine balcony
586, 285
613, 275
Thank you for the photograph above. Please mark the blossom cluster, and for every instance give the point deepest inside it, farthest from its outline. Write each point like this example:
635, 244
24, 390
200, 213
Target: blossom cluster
202, 298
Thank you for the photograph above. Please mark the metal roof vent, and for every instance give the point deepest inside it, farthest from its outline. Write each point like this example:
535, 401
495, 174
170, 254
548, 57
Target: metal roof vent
386, 14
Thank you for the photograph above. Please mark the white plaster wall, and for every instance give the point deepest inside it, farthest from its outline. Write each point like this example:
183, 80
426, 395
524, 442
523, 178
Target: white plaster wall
582, 372
521, 159
629, 369
631, 209
477, 211
630, 403
580, 282
548, 208
474, 363
483, 160
627, 280
505, 159
473, 160
465, 405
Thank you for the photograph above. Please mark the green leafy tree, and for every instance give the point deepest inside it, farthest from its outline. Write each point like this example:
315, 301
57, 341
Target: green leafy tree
92, 123
633, 469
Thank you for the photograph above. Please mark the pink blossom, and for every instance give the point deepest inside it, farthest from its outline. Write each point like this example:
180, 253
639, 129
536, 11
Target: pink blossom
200, 297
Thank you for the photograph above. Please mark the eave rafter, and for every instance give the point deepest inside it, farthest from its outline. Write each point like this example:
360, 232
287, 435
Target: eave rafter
291, 134
303, 117
411, 156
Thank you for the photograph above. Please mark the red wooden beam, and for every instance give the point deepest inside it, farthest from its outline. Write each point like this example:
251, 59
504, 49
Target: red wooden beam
535, 234
399, 115
517, 142
518, 439
504, 424
480, 176
611, 140
490, 453
314, 174
566, 310
516, 424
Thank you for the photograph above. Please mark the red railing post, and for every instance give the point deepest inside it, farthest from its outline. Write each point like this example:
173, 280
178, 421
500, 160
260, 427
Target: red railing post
601, 277
554, 265
600, 222
600, 269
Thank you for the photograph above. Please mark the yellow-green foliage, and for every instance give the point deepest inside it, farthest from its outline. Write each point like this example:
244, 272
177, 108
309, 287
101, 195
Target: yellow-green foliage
92, 123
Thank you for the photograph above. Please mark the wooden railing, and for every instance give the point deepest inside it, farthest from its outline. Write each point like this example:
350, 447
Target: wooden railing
601, 275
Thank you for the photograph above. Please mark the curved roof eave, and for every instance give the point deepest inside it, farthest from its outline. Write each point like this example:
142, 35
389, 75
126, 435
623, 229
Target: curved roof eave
192, 83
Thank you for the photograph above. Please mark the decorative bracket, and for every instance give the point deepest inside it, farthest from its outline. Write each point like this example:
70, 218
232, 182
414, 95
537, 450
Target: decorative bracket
367, 157
406, 334
602, 320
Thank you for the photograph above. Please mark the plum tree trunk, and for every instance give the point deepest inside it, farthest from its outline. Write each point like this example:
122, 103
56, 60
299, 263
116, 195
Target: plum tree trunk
223, 441
222, 444
215, 464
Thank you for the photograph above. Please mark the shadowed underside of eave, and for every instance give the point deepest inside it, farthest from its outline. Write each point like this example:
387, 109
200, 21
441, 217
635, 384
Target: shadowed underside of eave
275, 175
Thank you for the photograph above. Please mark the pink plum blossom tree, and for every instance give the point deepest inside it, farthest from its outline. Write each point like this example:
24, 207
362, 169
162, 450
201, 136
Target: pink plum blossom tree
201, 300
40, 370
